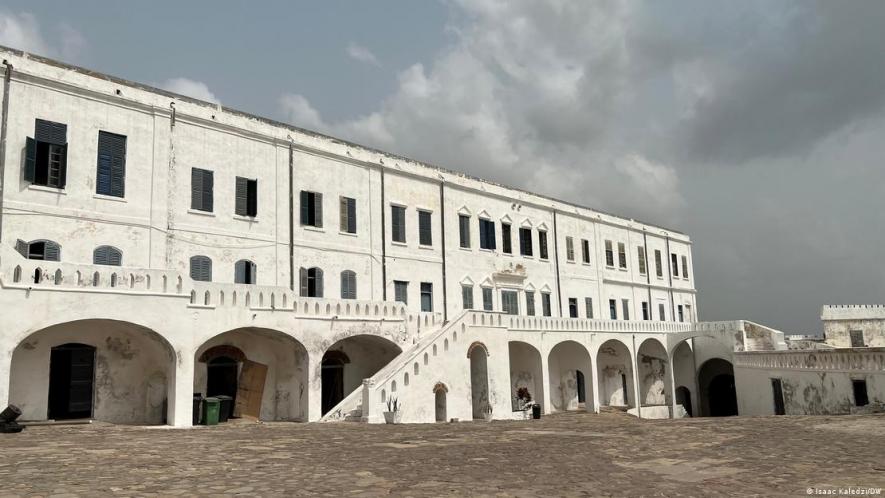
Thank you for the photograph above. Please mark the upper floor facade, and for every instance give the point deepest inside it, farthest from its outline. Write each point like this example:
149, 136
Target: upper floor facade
97, 170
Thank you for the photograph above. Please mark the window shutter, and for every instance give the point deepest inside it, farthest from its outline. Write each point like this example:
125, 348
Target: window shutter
111, 174
118, 167
342, 214
115, 257
302, 274
318, 209
196, 189
240, 271
253, 273
241, 197
100, 256
208, 185
30, 159
52, 251
345, 290
351, 216
305, 217
319, 282
103, 175
252, 198
22, 248
50, 132
63, 166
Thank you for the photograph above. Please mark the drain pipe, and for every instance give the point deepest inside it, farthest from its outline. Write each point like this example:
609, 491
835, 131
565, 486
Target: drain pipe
647, 272
670, 279
442, 217
291, 215
383, 241
556, 263
6, 82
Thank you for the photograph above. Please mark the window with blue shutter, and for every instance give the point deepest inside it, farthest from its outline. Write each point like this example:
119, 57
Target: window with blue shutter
530, 303
425, 235
311, 282
46, 154
202, 184
311, 209
401, 291
506, 242
398, 224
542, 244
426, 296
467, 296
110, 177
201, 268
45, 250
486, 234
347, 215
107, 255
348, 284
245, 272
525, 241
246, 197
464, 230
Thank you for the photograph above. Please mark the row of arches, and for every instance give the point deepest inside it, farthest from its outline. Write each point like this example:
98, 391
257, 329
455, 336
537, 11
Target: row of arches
572, 374
124, 373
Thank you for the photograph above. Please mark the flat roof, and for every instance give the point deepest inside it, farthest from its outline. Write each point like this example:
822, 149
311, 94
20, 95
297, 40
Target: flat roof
297, 129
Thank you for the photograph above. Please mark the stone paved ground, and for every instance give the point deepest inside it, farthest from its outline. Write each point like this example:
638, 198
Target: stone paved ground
571, 454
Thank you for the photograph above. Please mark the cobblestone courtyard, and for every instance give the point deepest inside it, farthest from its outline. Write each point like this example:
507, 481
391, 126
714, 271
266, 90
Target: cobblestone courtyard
570, 454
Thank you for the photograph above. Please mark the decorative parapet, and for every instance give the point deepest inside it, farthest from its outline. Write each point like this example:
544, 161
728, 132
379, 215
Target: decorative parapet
588, 325
27, 274
853, 360
853, 312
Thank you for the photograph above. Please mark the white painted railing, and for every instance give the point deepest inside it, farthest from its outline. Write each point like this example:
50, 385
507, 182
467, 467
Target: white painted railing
516, 322
855, 360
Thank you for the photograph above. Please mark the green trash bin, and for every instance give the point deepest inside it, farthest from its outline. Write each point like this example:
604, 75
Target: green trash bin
211, 407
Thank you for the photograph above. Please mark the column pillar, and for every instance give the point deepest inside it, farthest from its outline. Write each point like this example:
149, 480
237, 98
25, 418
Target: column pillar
671, 377
180, 399
5, 376
635, 375
315, 387
371, 412
545, 380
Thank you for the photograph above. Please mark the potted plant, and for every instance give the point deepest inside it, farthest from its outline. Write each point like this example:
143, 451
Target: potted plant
393, 415
487, 413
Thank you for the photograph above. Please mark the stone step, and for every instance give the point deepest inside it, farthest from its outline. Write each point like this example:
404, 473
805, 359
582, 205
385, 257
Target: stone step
613, 409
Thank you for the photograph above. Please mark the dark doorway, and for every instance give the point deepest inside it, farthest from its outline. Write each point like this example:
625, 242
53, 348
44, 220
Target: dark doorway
717, 391
440, 402
861, 398
683, 397
221, 379
777, 391
71, 381
333, 383
582, 395
624, 387
723, 399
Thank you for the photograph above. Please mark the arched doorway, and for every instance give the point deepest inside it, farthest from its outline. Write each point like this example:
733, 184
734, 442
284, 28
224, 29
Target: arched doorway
716, 383
439, 392
333, 379
567, 363
479, 379
264, 370
525, 372
651, 363
615, 373
683, 397
107, 370
347, 362
71, 381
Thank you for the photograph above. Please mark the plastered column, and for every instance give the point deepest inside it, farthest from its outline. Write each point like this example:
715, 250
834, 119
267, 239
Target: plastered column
5, 373
545, 379
671, 381
595, 381
371, 413
635, 375
315, 387
180, 410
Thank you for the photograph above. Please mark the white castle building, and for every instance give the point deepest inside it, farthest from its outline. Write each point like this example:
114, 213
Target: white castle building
153, 246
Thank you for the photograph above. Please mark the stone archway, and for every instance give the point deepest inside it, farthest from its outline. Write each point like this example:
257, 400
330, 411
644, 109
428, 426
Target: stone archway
440, 391
716, 384
570, 367
347, 362
479, 379
107, 370
525, 372
268, 367
652, 375
615, 374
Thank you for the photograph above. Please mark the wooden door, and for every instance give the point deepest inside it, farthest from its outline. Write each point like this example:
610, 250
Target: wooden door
250, 390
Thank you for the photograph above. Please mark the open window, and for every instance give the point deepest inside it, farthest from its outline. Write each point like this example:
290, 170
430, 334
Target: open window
311, 282
245, 272
44, 250
46, 155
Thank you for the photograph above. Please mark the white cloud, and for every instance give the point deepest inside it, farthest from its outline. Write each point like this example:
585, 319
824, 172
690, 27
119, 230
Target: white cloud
190, 88
362, 54
299, 112
22, 31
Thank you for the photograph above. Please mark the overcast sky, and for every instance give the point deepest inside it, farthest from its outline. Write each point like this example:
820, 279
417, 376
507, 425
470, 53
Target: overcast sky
758, 128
